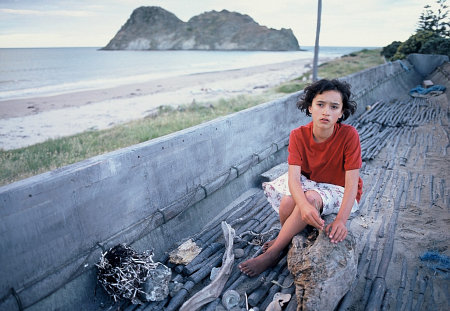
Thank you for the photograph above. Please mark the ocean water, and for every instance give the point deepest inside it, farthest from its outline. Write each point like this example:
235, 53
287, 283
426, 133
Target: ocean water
29, 72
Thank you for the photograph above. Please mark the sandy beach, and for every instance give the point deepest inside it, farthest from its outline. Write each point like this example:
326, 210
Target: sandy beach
27, 121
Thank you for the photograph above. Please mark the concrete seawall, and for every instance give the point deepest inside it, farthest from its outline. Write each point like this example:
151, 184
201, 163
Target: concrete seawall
55, 225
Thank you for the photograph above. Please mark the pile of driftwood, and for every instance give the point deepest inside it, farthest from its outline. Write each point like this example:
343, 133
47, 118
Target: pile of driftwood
254, 222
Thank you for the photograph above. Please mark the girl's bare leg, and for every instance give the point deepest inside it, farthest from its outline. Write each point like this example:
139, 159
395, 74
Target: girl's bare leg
292, 225
287, 205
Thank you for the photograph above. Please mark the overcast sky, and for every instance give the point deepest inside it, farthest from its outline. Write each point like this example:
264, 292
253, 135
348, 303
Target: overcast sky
58, 23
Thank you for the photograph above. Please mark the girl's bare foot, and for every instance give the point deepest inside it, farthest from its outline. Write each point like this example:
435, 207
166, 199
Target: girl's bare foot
255, 266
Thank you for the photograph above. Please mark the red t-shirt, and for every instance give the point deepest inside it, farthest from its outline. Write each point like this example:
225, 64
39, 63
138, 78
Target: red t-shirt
326, 162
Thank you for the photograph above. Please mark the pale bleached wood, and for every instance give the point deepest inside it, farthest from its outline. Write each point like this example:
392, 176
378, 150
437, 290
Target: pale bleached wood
213, 290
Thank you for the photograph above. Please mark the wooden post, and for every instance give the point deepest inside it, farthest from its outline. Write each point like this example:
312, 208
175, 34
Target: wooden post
316, 46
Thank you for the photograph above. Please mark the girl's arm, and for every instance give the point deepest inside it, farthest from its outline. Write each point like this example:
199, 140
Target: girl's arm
309, 213
337, 230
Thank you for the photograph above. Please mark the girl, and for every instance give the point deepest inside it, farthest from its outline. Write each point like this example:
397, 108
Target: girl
323, 176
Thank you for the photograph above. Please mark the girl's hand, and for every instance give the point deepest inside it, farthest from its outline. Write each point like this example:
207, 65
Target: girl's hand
336, 231
311, 216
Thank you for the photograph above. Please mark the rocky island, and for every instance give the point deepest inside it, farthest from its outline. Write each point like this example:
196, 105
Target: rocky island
153, 28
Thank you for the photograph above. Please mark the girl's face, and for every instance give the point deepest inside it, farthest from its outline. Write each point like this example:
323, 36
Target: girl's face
326, 109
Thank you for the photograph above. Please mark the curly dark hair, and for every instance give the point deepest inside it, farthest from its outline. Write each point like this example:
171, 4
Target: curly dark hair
318, 87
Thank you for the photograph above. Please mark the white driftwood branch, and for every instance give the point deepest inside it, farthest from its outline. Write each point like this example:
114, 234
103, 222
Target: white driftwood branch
213, 290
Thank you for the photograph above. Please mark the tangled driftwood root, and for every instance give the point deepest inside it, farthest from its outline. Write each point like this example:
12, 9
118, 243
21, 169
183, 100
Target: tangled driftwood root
122, 270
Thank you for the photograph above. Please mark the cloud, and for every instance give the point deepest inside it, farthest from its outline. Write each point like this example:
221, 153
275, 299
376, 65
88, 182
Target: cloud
71, 13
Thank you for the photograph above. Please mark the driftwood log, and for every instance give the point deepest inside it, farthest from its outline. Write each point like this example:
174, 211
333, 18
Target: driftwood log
323, 272
214, 289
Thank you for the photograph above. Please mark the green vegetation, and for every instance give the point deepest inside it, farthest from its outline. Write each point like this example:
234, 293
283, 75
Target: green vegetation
25, 162
435, 21
343, 66
390, 50
432, 35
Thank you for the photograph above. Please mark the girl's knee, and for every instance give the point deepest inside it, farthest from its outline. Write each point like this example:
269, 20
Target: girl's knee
288, 200
287, 205
314, 198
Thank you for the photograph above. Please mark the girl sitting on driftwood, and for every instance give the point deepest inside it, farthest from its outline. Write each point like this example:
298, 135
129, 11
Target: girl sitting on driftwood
323, 176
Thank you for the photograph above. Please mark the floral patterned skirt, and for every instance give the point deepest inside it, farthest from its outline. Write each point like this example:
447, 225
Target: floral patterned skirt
331, 194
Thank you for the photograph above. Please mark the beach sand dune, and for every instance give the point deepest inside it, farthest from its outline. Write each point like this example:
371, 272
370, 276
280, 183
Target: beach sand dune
27, 121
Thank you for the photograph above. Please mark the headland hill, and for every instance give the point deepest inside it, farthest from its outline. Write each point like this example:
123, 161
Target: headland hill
154, 28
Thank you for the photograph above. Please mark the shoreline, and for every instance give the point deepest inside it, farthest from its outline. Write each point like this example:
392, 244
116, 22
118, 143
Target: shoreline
19, 107
27, 121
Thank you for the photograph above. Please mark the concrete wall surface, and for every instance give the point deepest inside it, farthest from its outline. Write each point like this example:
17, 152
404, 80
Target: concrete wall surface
425, 64
54, 226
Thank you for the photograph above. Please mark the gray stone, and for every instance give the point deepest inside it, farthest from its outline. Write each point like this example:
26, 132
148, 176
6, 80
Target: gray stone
230, 299
156, 287
323, 271
153, 28
238, 253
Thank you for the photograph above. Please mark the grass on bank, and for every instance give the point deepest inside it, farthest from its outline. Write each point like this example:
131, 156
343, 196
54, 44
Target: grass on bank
54, 153
341, 67
25, 162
